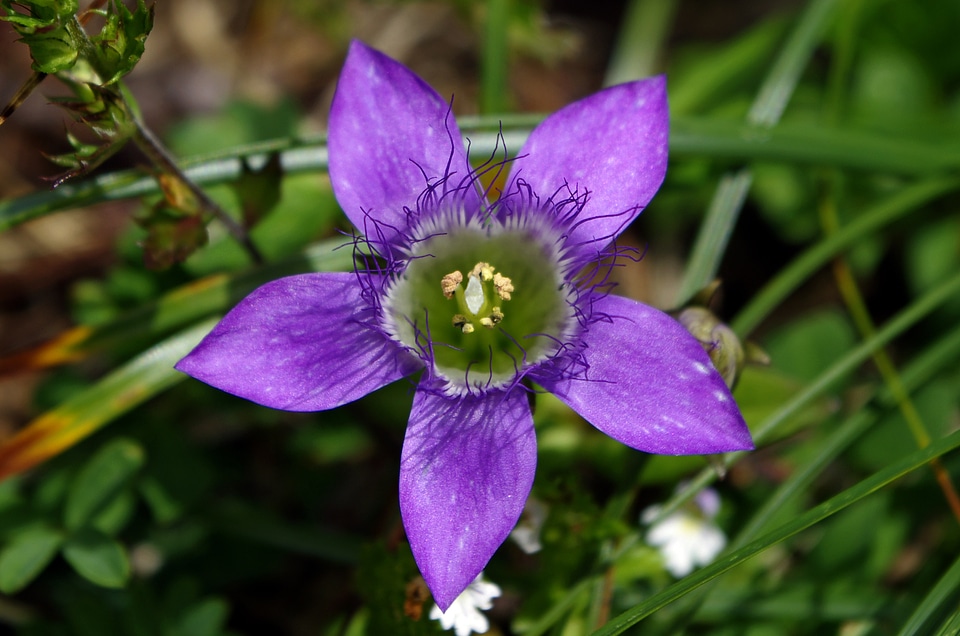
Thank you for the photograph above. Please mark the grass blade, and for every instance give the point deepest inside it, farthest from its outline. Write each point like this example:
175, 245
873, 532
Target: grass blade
813, 516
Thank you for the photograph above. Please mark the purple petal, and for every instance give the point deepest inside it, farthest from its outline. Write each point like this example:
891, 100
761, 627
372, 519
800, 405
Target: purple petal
651, 385
465, 473
612, 144
301, 343
390, 135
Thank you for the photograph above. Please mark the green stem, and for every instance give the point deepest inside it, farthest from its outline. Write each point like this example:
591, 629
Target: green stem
21, 96
689, 137
163, 161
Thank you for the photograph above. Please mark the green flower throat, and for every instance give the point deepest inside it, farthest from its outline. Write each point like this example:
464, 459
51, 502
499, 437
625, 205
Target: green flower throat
481, 306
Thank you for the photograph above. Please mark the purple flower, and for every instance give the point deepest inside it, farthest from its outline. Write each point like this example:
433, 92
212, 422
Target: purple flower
484, 297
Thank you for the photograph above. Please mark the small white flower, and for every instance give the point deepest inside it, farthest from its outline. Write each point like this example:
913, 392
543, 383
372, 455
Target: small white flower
527, 533
464, 615
688, 538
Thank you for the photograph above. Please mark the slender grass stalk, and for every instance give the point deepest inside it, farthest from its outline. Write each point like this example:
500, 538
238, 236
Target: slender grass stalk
689, 137
493, 72
646, 26
931, 361
842, 273
868, 486
885, 212
767, 108
857, 308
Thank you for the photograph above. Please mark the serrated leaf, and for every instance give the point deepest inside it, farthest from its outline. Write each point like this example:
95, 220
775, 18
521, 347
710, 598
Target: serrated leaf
40, 14
26, 556
101, 479
52, 51
49, 29
97, 558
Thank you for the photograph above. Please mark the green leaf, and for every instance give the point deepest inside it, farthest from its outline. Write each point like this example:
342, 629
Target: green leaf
41, 14
102, 478
52, 51
710, 77
184, 305
25, 557
97, 558
765, 112
206, 618
143, 377
951, 626
50, 30
117, 514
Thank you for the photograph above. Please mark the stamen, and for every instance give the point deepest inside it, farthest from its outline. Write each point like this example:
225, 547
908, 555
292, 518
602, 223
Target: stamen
450, 282
483, 270
503, 285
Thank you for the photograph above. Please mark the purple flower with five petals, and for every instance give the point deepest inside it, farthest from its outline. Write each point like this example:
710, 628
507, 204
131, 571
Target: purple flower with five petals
486, 298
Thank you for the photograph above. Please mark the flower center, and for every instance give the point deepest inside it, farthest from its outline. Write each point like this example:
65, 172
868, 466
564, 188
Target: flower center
481, 305
480, 301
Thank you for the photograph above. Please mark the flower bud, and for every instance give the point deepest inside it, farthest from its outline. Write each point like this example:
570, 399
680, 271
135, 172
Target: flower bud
721, 344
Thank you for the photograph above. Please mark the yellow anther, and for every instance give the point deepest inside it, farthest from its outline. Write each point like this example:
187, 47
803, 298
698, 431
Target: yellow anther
450, 282
483, 271
487, 322
503, 285
459, 320
467, 328
496, 316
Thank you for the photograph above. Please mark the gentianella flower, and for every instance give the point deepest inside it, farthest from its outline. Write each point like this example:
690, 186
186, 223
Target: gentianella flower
464, 615
485, 296
688, 538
